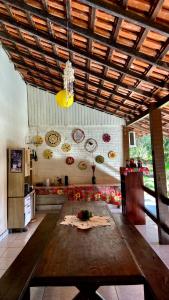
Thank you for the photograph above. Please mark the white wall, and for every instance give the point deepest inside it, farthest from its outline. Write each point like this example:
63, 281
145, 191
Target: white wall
13, 123
44, 115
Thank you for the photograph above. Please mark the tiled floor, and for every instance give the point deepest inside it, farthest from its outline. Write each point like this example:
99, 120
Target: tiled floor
11, 245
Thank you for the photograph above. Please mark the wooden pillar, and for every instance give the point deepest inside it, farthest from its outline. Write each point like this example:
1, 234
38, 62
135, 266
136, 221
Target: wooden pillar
159, 171
125, 144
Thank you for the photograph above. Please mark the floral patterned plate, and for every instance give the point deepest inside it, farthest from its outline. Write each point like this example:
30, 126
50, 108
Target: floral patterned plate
91, 145
99, 159
53, 138
111, 154
82, 165
70, 160
106, 137
78, 135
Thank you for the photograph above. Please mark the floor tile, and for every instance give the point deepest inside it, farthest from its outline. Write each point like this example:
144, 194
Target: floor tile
130, 292
163, 252
17, 243
108, 292
60, 293
11, 252
2, 271
5, 262
2, 250
36, 293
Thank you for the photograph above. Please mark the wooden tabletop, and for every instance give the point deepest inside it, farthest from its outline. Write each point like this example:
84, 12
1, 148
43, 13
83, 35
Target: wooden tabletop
95, 256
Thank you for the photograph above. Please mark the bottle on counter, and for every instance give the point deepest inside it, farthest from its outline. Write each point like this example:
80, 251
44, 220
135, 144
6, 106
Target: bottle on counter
132, 163
66, 180
139, 163
47, 182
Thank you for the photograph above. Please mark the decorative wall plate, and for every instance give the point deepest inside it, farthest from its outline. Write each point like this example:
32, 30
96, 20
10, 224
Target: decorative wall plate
37, 140
99, 159
91, 145
47, 154
53, 138
78, 135
111, 154
70, 160
82, 165
106, 137
66, 147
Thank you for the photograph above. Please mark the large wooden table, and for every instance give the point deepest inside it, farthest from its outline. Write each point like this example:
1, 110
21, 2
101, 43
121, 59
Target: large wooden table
86, 259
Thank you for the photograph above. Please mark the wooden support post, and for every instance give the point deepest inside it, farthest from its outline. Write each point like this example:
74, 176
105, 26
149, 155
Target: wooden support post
125, 144
159, 171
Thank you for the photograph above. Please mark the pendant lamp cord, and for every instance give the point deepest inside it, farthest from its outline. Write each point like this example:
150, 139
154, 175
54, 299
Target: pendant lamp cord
67, 25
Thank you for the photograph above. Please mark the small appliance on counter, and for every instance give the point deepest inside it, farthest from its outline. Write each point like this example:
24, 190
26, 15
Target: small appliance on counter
26, 189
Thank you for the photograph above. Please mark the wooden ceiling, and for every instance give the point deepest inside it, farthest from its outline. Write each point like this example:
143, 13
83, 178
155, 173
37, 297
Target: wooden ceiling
119, 50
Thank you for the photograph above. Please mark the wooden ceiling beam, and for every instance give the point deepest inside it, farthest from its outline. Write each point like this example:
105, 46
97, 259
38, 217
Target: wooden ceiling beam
116, 32
85, 32
158, 104
76, 85
141, 128
95, 74
86, 92
88, 81
120, 12
53, 91
90, 56
155, 8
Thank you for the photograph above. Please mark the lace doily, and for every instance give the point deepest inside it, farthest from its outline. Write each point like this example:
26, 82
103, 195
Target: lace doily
94, 221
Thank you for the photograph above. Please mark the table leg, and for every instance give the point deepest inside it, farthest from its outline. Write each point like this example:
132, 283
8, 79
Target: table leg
148, 293
27, 294
88, 293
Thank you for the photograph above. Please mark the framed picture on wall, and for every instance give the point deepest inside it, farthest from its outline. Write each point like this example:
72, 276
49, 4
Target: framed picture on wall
15, 162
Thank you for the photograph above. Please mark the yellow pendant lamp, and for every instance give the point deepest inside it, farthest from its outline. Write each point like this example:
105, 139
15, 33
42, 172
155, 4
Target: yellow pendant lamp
64, 99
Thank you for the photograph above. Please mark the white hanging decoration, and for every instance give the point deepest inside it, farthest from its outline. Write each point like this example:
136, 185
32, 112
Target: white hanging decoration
68, 78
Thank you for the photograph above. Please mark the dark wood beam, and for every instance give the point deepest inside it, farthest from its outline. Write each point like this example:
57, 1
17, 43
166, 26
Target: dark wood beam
88, 81
82, 53
120, 12
141, 128
118, 25
54, 91
76, 87
86, 94
159, 171
158, 104
155, 8
90, 44
93, 73
86, 33
45, 5
164, 50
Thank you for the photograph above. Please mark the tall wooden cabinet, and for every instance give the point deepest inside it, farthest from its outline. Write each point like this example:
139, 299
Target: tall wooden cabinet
133, 197
20, 200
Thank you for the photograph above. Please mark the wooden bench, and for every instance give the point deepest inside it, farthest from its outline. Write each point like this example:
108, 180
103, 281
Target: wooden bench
155, 271
15, 282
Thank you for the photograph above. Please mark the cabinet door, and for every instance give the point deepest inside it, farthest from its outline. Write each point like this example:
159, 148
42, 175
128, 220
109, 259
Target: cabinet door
27, 210
27, 162
16, 213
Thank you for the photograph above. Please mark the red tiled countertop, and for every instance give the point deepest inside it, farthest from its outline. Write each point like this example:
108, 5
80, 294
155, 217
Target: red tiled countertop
88, 192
